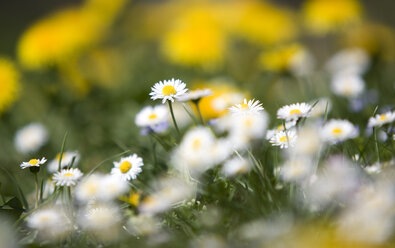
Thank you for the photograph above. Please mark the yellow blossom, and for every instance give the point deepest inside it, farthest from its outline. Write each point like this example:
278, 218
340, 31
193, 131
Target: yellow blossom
133, 198
264, 23
323, 16
9, 84
196, 39
224, 96
278, 59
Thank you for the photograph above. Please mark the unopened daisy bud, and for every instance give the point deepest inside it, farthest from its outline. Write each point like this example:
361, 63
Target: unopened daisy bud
294, 111
168, 90
251, 106
33, 164
67, 177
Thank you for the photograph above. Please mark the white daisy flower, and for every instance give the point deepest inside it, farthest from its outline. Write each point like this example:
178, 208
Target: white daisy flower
33, 162
128, 167
236, 165
347, 85
101, 220
194, 151
168, 90
294, 111
284, 139
351, 60
338, 130
151, 116
297, 169
381, 119
195, 95
67, 158
250, 106
51, 222
89, 188
67, 177
112, 187
30, 138
288, 124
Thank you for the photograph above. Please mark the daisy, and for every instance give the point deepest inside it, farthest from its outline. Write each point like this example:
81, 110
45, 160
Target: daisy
251, 106
30, 138
283, 139
50, 222
234, 166
67, 177
351, 60
67, 158
294, 111
381, 119
195, 95
347, 85
128, 167
33, 162
338, 130
151, 116
288, 124
295, 170
168, 90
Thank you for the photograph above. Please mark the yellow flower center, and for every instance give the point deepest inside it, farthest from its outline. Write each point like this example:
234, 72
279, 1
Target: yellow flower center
33, 161
68, 174
152, 116
244, 106
125, 166
337, 131
283, 139
383, 117
248, 122
294, 112
168, 90
196, 144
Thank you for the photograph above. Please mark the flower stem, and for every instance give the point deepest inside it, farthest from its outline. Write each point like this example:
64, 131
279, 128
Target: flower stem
36, 181
199, 113
172, 116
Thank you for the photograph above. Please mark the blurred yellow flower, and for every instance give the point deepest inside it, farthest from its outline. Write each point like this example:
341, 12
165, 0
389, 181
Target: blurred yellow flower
9, 84
323, 16
224, 96
279, 58
376, 39
65, 33
133, 198
264, 23
195, 40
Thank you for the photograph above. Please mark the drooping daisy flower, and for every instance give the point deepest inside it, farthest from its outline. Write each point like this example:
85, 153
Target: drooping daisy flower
30, 138
251, 106
128, 167
338, 130
195, 95
152, 119
33, 162
67, 158
234, 166
347, 85
381, 119
284, 139
51, 222
168, 90
294, 111
67, 177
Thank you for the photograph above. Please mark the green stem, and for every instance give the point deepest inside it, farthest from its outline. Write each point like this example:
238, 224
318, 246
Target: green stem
199, 113
172, 116
36, 181
377, 144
